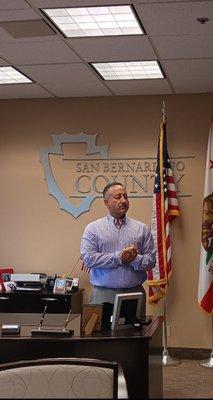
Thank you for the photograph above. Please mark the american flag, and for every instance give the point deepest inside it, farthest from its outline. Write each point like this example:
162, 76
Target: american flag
165, 210
85, 269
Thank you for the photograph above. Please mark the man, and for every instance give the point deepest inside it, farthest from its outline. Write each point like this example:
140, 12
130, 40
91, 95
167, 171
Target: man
118, 249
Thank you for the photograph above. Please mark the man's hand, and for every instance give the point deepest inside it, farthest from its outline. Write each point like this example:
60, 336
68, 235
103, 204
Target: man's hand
128, 254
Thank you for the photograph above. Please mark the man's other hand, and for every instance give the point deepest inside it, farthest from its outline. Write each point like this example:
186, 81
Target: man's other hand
128, 254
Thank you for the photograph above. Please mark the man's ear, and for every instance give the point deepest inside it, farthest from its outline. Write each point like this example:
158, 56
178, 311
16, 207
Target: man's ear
106, 203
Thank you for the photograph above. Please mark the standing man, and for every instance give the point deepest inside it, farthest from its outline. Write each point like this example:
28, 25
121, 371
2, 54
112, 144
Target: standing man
117, 249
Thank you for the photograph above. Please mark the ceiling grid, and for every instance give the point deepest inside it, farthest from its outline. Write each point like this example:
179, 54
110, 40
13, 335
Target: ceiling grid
60, 66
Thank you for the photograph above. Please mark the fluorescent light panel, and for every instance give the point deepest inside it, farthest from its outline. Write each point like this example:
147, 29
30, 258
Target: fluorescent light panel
10, 75
95, 21
129, 70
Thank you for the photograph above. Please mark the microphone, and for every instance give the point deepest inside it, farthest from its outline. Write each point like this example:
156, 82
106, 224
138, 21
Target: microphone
42, 318
67, 320
53, 332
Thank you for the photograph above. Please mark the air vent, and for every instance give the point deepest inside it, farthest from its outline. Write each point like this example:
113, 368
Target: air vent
21, 29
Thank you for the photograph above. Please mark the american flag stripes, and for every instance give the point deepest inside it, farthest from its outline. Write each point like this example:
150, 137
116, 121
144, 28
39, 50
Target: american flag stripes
165, 210
85, 269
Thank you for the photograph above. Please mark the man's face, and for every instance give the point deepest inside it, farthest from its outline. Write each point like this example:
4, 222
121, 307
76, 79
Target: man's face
117, 201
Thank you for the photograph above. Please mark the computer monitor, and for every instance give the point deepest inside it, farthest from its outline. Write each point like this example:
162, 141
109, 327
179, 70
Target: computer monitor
127, 310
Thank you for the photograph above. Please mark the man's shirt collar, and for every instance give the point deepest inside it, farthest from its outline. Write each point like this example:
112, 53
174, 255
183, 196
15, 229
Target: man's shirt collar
113, 219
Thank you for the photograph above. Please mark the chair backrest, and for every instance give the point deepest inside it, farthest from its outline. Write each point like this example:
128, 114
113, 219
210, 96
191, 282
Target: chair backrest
60, 378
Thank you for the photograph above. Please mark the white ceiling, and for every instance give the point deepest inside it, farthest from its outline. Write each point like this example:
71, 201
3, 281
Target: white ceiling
59, 67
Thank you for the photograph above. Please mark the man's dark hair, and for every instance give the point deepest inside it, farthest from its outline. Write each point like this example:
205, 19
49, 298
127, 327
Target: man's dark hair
107, 187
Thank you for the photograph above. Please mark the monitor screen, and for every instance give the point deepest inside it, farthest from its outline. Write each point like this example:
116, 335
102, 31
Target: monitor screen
127, 310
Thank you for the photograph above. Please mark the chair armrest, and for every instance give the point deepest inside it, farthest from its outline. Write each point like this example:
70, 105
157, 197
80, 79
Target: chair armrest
122, 387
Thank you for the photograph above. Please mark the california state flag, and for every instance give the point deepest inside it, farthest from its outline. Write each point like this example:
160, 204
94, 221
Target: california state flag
205, 287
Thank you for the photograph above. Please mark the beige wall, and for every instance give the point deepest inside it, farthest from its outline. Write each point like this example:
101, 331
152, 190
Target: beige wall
36, 235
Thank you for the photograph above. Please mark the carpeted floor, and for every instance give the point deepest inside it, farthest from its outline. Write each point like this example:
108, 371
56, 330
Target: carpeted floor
188, 380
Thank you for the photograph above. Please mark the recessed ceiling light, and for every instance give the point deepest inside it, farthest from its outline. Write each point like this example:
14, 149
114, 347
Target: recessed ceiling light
10, 75
95, 21
129, 70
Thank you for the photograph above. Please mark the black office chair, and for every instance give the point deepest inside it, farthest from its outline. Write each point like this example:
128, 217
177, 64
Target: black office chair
66, 378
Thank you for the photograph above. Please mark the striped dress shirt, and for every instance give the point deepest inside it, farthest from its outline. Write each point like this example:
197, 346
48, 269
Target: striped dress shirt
101, 245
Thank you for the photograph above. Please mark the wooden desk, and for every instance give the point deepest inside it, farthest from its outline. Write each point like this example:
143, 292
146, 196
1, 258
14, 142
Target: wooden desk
139, 351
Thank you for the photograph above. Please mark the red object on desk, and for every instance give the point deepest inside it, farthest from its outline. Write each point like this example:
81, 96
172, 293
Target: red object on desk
5, 276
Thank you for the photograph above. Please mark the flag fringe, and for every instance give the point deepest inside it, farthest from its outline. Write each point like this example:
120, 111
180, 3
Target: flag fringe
158, 282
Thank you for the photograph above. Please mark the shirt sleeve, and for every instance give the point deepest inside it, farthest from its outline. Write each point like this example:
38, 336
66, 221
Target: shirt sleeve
90, 255
146, 258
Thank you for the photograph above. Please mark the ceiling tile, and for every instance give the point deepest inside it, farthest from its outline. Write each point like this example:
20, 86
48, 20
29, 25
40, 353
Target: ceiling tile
73, 89
176, 18
140, 87
113, 48
199, 85
13, 4
18, 15
184, 46
21, 91
37, 53
5, 36
188, 68
60, 73
3, 63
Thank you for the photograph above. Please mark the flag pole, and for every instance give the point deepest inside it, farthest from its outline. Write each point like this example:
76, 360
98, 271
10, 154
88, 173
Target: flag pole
167, 359
164, 111
209, 362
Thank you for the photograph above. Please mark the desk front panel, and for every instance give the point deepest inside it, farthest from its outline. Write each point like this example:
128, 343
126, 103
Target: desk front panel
141, 360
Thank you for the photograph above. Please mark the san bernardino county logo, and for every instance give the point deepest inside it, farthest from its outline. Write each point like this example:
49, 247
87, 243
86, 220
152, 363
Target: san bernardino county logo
77, 169
53, 188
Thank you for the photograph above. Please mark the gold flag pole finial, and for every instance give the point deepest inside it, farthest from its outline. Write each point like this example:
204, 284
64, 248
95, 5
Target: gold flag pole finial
164, 111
